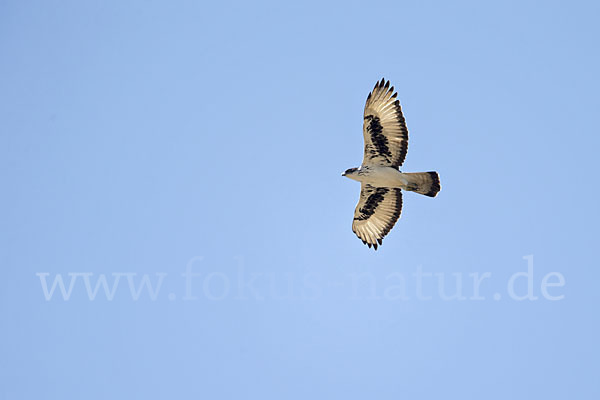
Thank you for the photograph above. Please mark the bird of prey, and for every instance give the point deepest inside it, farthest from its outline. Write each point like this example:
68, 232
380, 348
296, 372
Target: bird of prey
386, 142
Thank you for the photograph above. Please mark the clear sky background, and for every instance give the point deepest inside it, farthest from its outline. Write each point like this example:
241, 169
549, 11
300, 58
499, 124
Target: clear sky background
146, 137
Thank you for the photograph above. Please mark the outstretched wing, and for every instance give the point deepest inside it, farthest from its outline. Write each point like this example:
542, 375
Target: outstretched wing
377, 211
384, 128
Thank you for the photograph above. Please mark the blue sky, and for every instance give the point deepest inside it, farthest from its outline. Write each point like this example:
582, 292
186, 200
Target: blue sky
200, 145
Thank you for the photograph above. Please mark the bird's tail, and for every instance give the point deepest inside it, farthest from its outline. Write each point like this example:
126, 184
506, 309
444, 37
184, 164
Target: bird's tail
427, 183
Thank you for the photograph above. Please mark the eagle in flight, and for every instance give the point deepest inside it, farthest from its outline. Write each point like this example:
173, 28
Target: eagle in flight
381, 182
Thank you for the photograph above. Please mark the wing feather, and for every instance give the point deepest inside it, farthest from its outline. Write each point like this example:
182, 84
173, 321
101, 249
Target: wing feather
377, 211
384, 128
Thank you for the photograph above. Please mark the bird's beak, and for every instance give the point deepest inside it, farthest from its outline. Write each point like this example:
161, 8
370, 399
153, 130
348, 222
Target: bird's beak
344, 173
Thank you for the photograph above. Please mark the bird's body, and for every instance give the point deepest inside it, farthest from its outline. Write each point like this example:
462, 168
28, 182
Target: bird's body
386, 143
380, 176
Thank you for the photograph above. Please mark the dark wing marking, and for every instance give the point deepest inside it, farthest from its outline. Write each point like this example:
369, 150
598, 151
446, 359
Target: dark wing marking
377, 211
384, 128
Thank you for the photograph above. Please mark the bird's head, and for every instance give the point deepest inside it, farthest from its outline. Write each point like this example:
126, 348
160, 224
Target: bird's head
351, 173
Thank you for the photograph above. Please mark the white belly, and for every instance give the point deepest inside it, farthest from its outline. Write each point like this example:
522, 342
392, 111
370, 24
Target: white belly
383, 177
